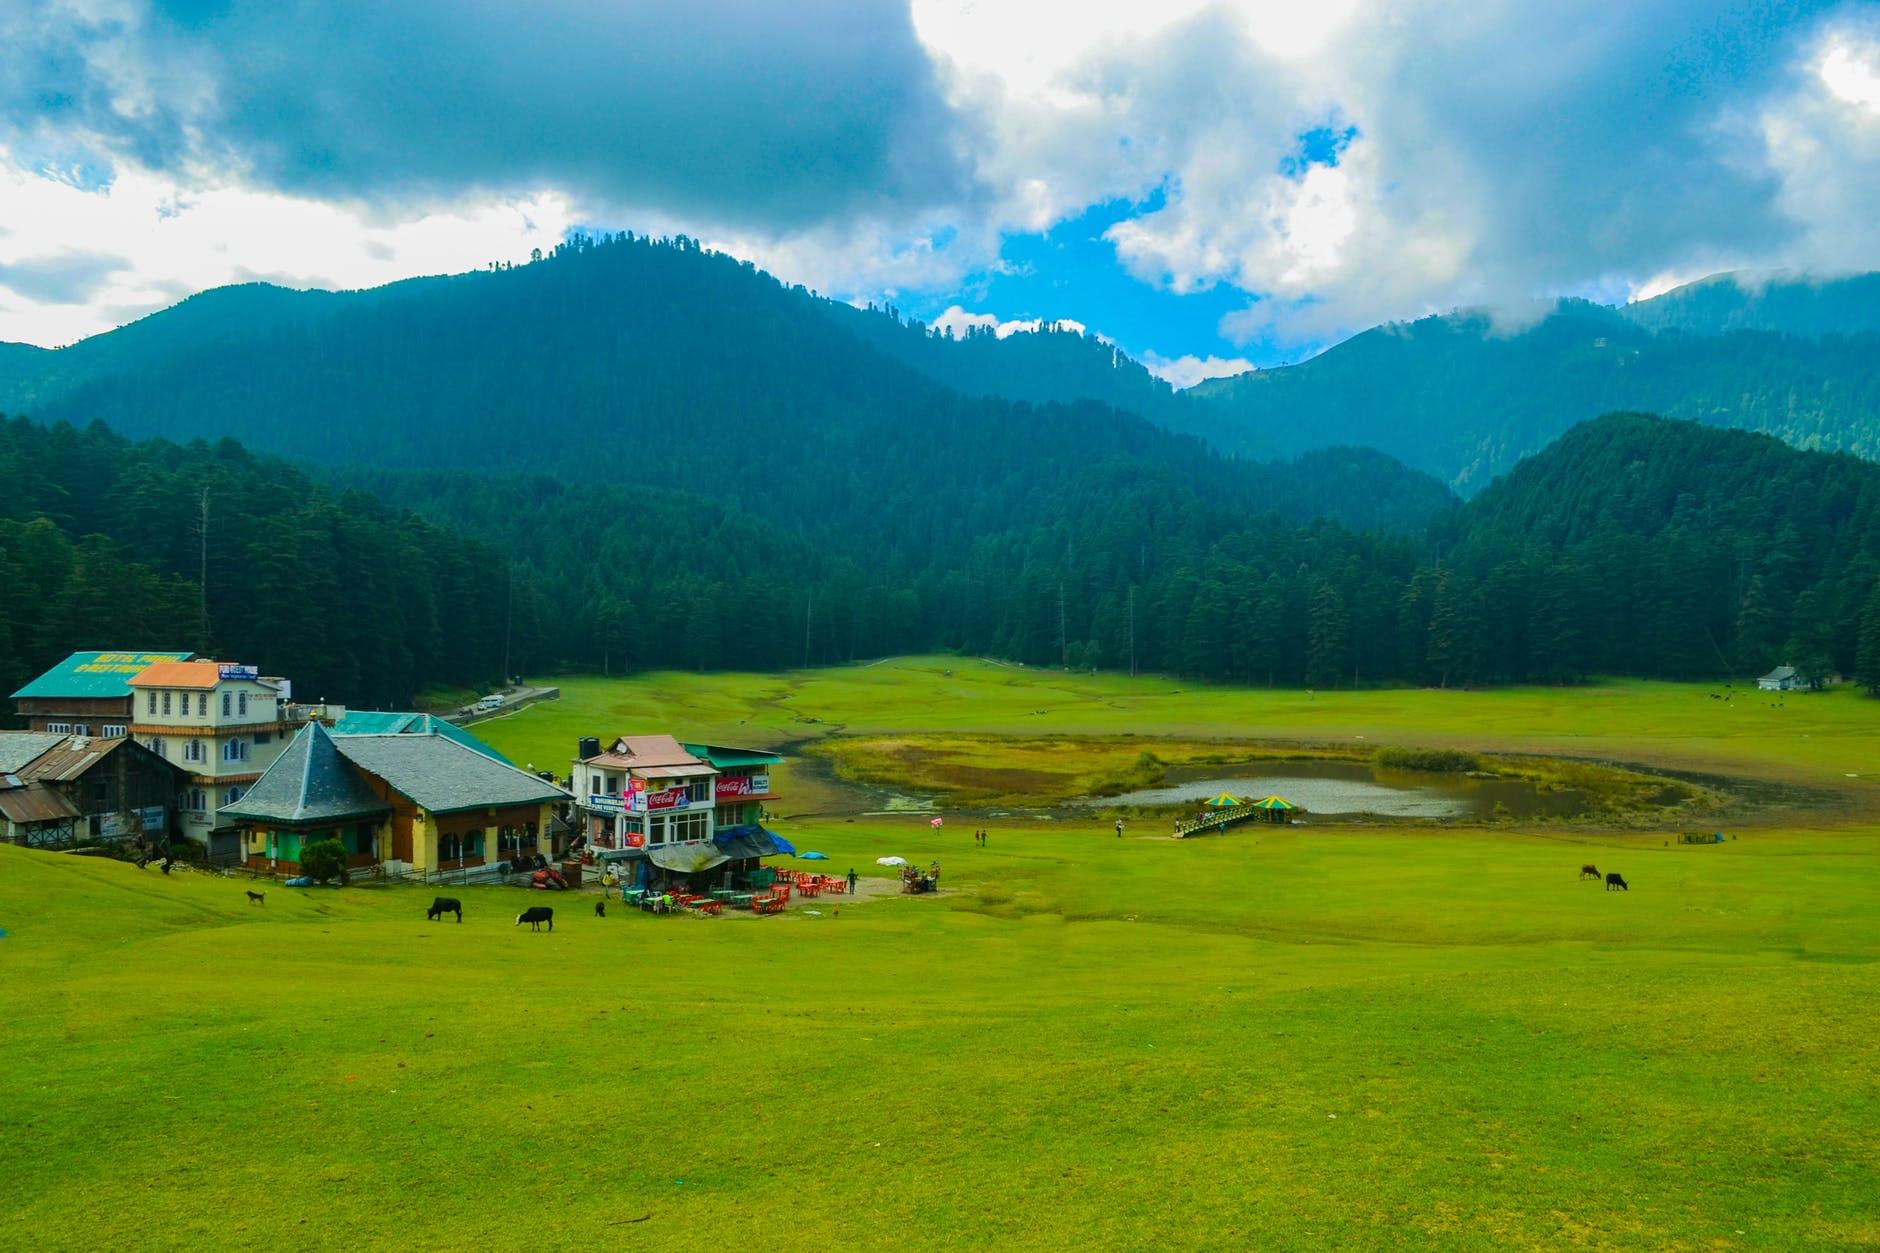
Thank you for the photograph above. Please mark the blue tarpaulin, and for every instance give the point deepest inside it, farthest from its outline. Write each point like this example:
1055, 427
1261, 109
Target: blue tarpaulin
751, 840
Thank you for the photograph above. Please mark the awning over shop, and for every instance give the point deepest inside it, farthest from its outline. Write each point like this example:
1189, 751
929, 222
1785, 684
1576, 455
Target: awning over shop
686, 859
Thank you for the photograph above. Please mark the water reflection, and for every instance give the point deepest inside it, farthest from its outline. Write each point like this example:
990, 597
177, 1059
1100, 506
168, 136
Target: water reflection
1344, 789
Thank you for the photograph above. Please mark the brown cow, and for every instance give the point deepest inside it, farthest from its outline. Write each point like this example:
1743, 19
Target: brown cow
1589, 871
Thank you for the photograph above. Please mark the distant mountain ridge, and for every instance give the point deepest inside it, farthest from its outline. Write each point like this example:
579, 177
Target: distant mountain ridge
659, 363
1463, 399
522, 354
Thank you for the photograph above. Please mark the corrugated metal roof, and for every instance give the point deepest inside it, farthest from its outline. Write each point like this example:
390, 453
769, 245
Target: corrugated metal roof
197, 674
372, 722
93, 675
72, 758
725, 757
637, 752
309, 783
17, 748
444, 776
35, 802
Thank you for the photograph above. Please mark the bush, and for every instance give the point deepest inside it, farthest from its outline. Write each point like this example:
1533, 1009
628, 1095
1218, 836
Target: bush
1147, 771
1431, 760
324, 860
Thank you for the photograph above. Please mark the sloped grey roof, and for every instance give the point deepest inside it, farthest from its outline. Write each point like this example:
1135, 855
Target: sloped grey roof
19, 747
309, 783
444, 776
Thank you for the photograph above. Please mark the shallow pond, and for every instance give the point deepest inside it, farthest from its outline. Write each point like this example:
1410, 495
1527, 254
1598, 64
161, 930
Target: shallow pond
1345, 789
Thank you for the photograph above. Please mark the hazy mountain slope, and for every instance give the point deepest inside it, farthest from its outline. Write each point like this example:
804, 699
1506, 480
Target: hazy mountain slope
1744, 302
1454, 397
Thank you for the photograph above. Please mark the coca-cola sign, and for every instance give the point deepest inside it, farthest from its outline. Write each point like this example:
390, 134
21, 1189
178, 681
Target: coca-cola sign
670, 798
732, 786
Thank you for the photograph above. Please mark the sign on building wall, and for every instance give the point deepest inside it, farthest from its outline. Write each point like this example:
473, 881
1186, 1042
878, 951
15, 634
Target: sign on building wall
240, 672
731, 786
603, 804
670, 798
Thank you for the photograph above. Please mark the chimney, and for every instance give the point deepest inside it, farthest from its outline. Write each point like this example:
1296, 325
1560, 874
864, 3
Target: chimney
590, 747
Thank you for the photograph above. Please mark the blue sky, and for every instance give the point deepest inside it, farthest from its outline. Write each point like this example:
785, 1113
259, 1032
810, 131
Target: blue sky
1211, 184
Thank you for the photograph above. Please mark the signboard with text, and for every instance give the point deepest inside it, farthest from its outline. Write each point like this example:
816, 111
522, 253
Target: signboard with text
732, 786
240, 672
670, 798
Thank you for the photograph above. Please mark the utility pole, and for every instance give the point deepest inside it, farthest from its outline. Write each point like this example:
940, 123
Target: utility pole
1132, 630
202, 575
1064, 643
509, 624
809, 616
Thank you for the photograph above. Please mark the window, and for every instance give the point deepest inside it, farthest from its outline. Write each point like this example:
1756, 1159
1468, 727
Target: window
689, 827
150, 702
112, 730
236, 749
193, 751
166, 704
511, 840
202, 704
100, 793
458, 847
194, 799
81, 728
226, 698
241, 704
231, 795
59, 728
156, 746
699, 791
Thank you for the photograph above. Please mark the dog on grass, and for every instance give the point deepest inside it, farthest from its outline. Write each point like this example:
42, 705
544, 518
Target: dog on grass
258, 898
600, 909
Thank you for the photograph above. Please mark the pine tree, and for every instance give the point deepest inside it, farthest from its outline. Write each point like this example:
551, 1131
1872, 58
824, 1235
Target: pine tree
1867, 668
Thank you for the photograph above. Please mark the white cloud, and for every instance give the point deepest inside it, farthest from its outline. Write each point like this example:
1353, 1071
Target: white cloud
959, 322
163, 241
1186, 371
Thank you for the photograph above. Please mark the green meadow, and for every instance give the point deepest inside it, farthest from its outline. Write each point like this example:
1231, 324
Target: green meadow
1299, 1037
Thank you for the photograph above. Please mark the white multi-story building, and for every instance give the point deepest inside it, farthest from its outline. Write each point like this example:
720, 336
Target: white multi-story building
223, 723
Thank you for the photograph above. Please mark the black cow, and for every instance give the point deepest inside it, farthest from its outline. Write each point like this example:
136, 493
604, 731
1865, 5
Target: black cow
1616, 881
445, 905
535, 916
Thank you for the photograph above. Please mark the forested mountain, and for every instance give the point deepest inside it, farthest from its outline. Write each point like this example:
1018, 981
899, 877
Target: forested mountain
1746, 302
1457, 397
1633, 546
101, 547
1051, 364
655, 364
580, 364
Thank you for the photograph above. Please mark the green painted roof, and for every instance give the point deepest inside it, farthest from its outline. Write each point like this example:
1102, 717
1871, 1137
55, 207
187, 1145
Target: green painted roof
93, 675
375, 722
443, 775
724, 758
309, 783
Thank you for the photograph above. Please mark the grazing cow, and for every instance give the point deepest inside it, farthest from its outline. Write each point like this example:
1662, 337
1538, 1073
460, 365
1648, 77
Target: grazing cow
258, 898
1589, 871
535, 916
444, 905
600, 909
1616, 881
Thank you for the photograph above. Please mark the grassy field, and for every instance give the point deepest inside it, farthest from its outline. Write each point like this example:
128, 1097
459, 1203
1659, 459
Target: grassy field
1300, 1037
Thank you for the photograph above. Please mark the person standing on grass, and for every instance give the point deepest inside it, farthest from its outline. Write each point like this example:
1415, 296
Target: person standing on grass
852, 880
1119, 828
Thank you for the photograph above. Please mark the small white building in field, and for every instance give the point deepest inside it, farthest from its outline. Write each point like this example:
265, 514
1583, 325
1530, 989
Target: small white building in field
1784, 679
